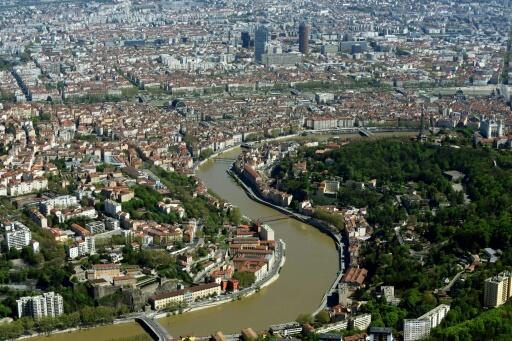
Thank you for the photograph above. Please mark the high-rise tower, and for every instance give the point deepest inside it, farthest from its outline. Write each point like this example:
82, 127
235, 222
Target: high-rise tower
246, 39
304, 38
260, 42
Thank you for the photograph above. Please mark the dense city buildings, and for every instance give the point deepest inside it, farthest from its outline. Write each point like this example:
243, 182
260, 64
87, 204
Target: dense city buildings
109, 109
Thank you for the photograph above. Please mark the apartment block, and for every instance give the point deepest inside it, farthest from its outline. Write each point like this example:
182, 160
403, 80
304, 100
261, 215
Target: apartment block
17, 188
380, 334
17, 235
87, 246
48, 304
361, 322
416, 329
112, 208
95, 227
60, 202
498, 289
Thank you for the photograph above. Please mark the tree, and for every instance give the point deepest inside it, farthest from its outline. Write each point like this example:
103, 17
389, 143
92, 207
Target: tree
28, 323
5, 310
206, 154
323, 317
245, 279
70, 320
493, 324
304, 319
88, 316
13, 253
46, 324
235, 216
29, 256
11, 330
331, 218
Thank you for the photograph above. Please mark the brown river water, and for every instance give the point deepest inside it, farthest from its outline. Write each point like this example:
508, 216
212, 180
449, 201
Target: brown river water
311, 266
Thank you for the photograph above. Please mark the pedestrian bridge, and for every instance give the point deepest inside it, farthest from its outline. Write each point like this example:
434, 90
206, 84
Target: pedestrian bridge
224, 160
269, 219
154, 328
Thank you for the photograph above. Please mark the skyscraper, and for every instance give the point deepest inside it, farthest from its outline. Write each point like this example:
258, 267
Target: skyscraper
304, 38
246, 39
260, 41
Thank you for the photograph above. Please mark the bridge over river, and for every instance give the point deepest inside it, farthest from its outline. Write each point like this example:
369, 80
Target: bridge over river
312, 263
154, 328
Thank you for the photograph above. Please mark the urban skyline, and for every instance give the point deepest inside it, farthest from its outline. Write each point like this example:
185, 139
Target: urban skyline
325, 170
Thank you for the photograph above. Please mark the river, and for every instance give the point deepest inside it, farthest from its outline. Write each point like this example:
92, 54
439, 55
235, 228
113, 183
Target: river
310, 268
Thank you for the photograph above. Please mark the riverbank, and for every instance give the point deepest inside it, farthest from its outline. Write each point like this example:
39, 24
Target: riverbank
309, 270
310, 133
238, 145
244, 293
320, 225
118, 329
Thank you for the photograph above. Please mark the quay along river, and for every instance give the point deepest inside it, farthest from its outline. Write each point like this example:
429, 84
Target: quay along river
310, 268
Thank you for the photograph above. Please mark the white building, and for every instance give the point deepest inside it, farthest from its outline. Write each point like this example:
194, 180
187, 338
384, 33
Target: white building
324, 97
498, 289
329, 187
112, 208
491, 128
48, 304
416, 329
17, 188
168, 206
87, 246
112, 224
85, 212
17, 235
266, 233
388, 291
95, 227
322, 123
286, 329
361, 322
346, 122
63, 201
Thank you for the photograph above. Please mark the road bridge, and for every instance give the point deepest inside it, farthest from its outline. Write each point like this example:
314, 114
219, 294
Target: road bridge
154, 328
365, 132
